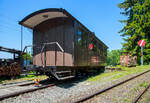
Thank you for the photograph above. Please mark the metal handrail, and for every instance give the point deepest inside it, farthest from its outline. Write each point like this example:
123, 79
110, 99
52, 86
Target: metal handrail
49, 44
44, 44
55, 43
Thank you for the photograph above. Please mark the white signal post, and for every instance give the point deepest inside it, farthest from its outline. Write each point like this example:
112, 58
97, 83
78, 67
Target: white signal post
141, 55
141, 44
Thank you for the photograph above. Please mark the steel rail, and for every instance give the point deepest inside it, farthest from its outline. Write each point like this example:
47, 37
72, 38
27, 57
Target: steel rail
140, 95
25, 84
17, 93
24, 91
107, 88
20, 84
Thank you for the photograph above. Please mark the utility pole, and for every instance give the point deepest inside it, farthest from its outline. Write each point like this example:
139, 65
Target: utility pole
21, 37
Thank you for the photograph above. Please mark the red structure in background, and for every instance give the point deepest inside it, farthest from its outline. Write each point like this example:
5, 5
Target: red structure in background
90, 46
127, 60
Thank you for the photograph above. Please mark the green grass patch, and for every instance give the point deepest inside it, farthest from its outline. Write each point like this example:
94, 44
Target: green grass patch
118, 74
148, 99
21, 78
125, 99
143, 85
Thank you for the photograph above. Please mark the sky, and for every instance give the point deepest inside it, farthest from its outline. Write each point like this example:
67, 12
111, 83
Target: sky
99, 16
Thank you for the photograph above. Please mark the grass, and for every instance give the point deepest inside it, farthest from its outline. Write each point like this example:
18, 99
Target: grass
118, 74
6, 80
21, 78
101, 77
125, 99
143, 85
148, 99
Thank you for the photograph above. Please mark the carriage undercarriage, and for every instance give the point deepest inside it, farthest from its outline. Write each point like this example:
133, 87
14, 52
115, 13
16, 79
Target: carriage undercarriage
68, 72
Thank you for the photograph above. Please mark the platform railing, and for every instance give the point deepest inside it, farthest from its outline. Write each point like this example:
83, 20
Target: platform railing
42, 49
44, 44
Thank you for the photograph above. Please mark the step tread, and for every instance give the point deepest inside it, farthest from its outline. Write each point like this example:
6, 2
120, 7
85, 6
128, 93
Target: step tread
67, 77
59, 72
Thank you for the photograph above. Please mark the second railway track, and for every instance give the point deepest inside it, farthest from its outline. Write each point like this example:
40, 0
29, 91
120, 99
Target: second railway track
108, 88
80, 99
28, 87
11, 91
141, 94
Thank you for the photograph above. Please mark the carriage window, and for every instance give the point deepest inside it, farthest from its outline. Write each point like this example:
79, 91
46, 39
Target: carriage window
82, 37
91, 40
95, 46
79, 35
94, 42
98, 50
79, 38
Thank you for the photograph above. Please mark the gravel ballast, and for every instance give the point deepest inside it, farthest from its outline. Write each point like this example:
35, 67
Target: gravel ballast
124, 93
145, 98
69, 92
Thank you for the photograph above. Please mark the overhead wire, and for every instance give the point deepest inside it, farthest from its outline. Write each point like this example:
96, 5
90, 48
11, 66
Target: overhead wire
7, 22
11, 22
7, 25
8, 18
9, 28
14, 27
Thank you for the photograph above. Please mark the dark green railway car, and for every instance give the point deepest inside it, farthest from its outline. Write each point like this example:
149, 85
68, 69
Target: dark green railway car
62, 46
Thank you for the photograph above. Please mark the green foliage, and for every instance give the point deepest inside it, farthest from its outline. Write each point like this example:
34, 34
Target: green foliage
148, 99
113, 57
108, 76
137, 27
27, 56
143, 85
4, 80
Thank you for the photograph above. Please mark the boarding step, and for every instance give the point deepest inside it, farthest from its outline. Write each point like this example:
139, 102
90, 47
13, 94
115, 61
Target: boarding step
62, 75
59, 72
68, 77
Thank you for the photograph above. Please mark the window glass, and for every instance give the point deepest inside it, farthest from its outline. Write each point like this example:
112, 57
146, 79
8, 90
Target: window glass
82, 38
93, 41
99, 50
79, 37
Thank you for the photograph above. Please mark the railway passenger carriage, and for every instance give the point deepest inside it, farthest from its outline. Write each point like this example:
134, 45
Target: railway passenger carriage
62, 46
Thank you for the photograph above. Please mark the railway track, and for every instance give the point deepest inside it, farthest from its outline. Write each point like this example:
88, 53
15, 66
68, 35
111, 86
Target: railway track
141, 94
19, 89
111, 87
46, 85
29, 87
23, 83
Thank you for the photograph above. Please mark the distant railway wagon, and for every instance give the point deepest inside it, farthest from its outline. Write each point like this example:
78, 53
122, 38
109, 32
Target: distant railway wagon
62, 46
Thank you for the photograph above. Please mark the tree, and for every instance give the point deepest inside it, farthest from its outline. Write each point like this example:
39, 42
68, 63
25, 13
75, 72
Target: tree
137, 27
27, 56
113, 57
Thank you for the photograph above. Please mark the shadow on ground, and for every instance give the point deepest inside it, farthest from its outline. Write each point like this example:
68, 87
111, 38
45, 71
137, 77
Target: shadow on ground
72, 82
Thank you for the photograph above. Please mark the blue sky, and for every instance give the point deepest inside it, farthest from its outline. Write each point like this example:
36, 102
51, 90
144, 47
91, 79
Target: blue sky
99, 16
